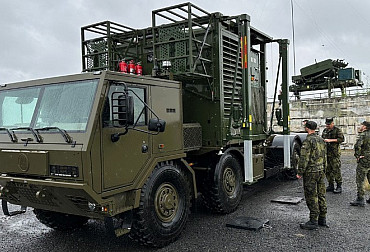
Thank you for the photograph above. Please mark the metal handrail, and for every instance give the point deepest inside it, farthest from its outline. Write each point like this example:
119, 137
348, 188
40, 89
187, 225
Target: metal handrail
316, 95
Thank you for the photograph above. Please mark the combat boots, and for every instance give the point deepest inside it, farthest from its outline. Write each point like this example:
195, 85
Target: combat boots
322, 222
358, 202
309, 225
330, 187
338, 189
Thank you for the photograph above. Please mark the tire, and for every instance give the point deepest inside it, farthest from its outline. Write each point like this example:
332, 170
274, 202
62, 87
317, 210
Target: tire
294, 159
164, 207
223, 190
60, 221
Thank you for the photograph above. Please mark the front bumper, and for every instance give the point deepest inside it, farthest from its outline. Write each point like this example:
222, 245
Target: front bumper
64, 197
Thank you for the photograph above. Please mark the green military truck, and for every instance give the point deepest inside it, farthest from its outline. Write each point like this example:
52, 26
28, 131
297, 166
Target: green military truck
136, 150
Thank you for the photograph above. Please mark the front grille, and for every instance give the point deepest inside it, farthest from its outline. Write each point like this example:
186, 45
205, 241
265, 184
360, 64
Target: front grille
20, 190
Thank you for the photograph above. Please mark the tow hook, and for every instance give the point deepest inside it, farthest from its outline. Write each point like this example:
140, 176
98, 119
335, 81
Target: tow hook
4, 204
6, 212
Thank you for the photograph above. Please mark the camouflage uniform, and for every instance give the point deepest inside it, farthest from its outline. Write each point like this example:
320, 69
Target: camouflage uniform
312, 165
333, 172
362, 148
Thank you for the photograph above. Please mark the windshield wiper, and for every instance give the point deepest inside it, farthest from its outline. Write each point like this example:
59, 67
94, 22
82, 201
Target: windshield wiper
64, 133
12, 136
34, 133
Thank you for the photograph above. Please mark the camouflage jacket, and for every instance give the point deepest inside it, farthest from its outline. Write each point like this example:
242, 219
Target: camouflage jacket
333, 149
362, 146
313, 155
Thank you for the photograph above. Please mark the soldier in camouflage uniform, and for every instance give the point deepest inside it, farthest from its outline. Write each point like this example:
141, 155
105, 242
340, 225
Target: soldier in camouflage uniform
312, 165
362, 153
333, 136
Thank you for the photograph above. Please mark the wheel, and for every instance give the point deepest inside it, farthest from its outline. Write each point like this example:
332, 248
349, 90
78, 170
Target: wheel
294, 160
164, 206
59, 221
223, 190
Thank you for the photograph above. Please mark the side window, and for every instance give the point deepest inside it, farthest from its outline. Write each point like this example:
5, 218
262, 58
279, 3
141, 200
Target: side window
139, 107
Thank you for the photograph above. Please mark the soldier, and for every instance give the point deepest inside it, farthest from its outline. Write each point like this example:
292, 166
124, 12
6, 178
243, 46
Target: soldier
312, 165
333, 136
362, 153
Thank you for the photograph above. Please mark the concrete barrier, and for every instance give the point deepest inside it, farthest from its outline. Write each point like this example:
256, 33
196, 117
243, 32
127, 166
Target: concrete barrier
348, 114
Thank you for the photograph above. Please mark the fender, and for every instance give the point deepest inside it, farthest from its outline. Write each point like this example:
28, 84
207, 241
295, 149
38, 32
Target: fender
278, 141
180, 159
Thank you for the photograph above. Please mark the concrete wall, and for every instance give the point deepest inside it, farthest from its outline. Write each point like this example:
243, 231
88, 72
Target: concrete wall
348, 114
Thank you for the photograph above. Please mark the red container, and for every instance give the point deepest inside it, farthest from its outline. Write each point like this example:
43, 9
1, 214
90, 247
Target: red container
131, 67
122, 66
139, 69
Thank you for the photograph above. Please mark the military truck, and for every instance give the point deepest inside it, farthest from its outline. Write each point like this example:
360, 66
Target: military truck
327, 74
137, 150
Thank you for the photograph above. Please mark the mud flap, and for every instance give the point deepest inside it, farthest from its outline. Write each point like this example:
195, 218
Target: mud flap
4, 205
119, 225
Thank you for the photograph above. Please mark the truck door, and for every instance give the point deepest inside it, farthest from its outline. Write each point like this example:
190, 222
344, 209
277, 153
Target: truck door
123, 160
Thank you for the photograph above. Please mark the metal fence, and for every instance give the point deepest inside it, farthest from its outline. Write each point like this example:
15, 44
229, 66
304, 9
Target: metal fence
323, 94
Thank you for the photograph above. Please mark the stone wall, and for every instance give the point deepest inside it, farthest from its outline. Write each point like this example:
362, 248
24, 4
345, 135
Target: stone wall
348, 114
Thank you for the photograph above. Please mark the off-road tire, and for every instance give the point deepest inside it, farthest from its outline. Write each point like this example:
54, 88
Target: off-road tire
164, 206
60, 221
223, 189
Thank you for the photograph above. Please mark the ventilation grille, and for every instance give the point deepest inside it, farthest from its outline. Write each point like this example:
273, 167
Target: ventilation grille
79, 202
29, 192
229, 54
192, 136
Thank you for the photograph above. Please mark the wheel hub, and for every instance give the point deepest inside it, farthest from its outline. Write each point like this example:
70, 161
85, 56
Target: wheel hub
166, 202
229, 181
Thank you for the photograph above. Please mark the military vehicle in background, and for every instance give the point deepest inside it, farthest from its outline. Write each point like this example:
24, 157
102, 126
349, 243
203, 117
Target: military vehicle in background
328, 74
159, 116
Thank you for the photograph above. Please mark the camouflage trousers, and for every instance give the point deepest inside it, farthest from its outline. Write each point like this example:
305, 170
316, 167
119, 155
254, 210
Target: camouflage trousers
333, 172
362, 171
314, 193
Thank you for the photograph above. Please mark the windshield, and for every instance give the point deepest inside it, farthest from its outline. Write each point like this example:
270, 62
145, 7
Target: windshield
64, 105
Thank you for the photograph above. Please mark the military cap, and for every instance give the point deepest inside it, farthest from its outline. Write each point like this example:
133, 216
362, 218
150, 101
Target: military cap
311, 125
329, 120
367, 124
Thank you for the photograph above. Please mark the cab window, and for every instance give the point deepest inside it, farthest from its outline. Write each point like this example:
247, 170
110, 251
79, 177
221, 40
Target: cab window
139, 107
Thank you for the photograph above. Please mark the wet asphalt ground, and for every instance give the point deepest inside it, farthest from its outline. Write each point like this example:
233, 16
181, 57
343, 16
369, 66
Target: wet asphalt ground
349, 226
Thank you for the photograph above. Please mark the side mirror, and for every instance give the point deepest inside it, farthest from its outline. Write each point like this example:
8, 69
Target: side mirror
158, 125
125, 110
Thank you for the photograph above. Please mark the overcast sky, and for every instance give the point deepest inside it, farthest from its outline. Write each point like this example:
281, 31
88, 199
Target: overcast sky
41, 38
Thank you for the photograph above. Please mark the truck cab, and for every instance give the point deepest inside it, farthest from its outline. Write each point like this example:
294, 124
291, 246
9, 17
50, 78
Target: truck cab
65, 149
